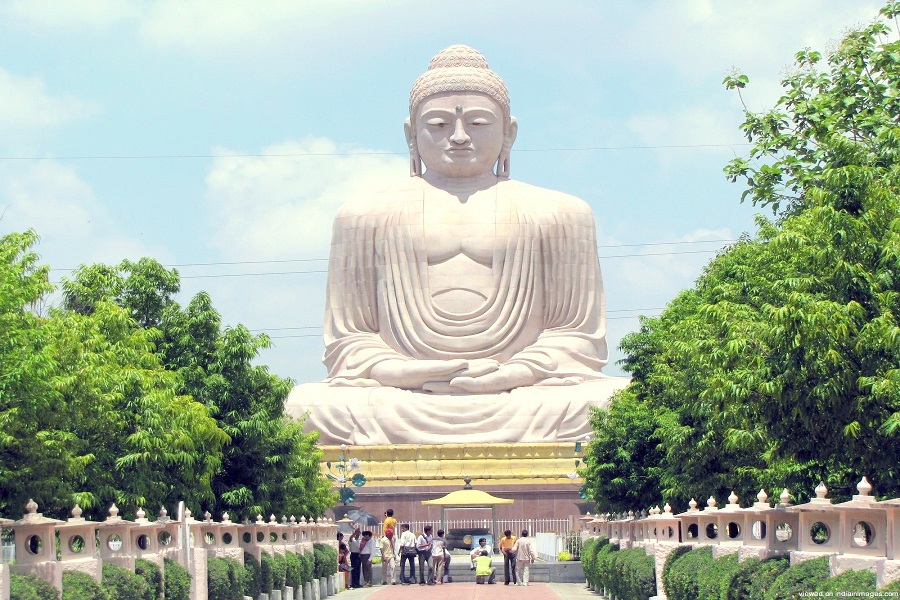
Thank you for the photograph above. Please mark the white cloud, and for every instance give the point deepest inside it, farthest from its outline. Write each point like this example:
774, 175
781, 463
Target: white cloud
691, 126
26, 102
282, 204
73, 225
67, 14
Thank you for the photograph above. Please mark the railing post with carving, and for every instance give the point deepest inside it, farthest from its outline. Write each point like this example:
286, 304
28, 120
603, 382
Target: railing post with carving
78, 545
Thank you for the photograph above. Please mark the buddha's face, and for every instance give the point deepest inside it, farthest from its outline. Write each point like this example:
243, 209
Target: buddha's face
459, 134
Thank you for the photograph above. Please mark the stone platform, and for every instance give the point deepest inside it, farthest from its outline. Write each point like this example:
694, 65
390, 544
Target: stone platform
377, 416
536, 476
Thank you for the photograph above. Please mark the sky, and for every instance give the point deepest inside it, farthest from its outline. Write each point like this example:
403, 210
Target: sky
220, 138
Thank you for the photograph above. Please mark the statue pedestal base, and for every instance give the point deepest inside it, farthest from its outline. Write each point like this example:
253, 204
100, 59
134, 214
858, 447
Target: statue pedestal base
371, 416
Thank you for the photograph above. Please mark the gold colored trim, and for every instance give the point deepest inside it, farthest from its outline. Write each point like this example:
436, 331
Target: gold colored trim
428, 464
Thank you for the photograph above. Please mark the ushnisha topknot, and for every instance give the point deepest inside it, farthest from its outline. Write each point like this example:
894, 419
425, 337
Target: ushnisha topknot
458, 68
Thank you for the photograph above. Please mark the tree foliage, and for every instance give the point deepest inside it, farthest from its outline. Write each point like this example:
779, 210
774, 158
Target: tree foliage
267, 464
781, 367
121, 395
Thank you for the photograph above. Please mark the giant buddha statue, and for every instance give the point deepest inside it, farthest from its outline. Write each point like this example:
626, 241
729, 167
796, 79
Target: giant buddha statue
462, 306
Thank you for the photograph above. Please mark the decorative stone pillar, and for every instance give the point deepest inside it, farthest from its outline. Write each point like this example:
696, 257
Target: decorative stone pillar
863, 532
115, 540
690, 523
668, 537
890, 569
36, 546
78, 545
819, 527
709, 533
730, 521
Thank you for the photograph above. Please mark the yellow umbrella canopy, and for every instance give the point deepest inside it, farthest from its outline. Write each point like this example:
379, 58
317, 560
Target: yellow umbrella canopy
468, 498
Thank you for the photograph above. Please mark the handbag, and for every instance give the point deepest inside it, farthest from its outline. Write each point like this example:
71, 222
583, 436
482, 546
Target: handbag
408, 551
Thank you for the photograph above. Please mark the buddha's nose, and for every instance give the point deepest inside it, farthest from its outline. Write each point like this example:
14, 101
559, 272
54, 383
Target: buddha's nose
459, 133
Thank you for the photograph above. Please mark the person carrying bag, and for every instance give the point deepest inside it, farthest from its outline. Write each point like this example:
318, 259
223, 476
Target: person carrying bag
423, 552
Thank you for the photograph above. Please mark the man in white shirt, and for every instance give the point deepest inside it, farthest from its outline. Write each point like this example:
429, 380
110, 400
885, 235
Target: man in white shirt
366, 550
407, 554
525, 555
423, 552
477, 550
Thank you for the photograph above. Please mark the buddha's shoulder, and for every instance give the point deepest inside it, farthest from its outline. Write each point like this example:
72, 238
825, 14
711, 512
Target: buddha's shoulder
538, 199
383, 201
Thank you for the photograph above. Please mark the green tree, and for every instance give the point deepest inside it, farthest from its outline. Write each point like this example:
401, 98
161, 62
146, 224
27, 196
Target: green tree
269, 465
780, 367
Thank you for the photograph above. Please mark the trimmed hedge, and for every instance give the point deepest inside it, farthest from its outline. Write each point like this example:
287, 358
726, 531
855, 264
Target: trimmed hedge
798, 579
754, 577
25, 586
251, 582
279, 569
176, 580
266, 573
714, 578
308, 562
603, 565
78, 585
683, 572
293, 572
325, 560
225, 578
589, 558
849, 581
632, 575
152, 575
122, 584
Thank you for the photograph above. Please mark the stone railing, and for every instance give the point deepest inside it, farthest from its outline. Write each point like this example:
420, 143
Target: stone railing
85, 545
862, 533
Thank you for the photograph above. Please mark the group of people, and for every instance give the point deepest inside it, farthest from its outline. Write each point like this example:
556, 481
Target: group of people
430, 553
518, 555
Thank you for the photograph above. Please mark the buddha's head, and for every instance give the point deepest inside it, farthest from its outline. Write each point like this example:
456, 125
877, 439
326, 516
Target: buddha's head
459, 123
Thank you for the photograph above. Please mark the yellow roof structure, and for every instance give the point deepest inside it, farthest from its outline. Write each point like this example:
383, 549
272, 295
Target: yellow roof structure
468, 498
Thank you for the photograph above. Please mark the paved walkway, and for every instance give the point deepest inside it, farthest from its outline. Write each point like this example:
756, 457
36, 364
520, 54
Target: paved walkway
471, 591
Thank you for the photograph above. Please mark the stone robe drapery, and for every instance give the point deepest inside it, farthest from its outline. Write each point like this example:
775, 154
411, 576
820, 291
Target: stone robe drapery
545, 309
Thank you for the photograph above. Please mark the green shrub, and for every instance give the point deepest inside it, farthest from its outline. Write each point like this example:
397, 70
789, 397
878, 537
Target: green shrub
713, 577
325, 560
251, 581
25, 586
670, 560
225, 579
293, 573
893, 586
632, 574
848, 581
152, 575
589, 558
604, 565
754, 577
266, 574
122, 584
279, 568
307, 561
78, 585
682, 578
176, 580
798, 579
563, 556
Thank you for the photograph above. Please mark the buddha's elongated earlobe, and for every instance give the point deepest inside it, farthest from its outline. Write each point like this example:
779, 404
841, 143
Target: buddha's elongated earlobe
508, 139
415, 162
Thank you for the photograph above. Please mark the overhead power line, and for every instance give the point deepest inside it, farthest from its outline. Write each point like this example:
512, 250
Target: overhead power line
368, 153
295, 260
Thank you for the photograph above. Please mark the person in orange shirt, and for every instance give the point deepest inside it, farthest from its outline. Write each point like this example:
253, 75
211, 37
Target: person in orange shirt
389, 521
509, 557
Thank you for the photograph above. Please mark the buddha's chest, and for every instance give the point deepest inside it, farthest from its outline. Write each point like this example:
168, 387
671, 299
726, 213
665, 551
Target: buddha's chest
452, 229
